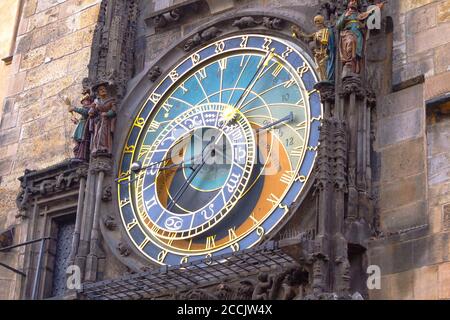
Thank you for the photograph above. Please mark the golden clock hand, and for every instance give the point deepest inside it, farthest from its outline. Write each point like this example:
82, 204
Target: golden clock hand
288, 118
239, 104
191, 177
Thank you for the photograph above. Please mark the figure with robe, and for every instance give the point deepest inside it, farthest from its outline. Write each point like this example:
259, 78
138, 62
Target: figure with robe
81, 134
324, 47
352, 27
104, 113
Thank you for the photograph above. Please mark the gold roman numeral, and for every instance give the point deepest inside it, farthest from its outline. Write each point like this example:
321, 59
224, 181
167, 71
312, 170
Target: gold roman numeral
144, 150
287, 177
211, 242
301, 126
232, 233
202, 73
297, 151
289, 83
223, 63
277, 70
144, 243
154, 126
273, 199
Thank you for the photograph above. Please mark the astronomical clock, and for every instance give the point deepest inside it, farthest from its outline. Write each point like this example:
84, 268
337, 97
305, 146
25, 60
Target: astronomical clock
220, 149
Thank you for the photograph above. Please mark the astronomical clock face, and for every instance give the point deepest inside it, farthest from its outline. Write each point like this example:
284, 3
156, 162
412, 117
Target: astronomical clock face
227, 141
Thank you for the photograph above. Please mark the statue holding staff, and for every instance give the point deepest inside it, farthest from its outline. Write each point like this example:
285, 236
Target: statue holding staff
352, 27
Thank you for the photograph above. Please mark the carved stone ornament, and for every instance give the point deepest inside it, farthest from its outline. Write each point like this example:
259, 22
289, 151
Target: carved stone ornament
6, 238
273, 23
101, 164
326, 89
110, 223
123, 249
52, 180
246, 22
107, 194
202, 37
154, 73
352, 84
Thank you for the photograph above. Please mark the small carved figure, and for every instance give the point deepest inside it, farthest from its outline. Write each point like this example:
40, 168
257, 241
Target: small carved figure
82, 134
123, 249
198, 294
273, 23
210, 33
104, 110
351, 25
324, 47
261, 291
110, 223
154, 73
245, 290
288, 287
224, 292
245, 22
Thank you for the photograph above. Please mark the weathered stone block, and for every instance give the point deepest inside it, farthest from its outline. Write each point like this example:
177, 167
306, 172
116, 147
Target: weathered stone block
401, 286
428, 39
29, 8
5, 288
402, 192
79, 60
421, 19
405, 217
437, 85
51, 32
405, 126
439, 169
408, 5
70, 43
443, 11
426, 283
430, 250
403, 159
442, 59
71, 7
33, 58
45, 4
47, 73
9, 136
43, 18
53, 120
28, 97
438, 136
89, 17
444, 281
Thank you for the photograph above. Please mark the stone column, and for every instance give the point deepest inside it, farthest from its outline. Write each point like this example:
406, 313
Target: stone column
100, 165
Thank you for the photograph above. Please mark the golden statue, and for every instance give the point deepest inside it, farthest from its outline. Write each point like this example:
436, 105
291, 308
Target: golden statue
324, 47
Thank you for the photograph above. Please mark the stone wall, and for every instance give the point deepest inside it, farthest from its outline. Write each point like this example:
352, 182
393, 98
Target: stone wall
51, 58
413, 183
